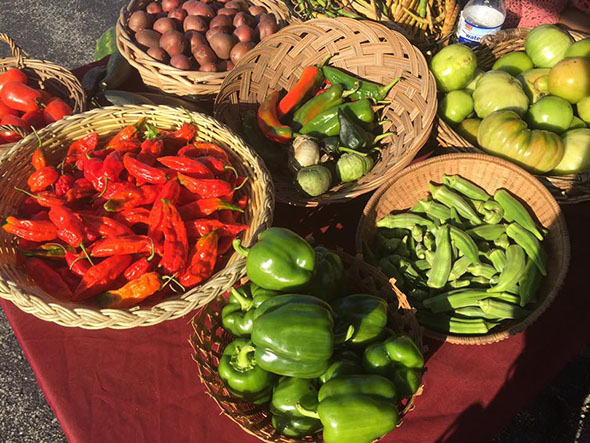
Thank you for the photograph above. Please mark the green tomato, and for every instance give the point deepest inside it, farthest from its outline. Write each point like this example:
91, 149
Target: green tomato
351, 167
468, 129
497, 91
473, 83
551, 114
576, 157
570, 79
514, 63
546, 45
453, 67
577, 123
583, 107
455, 107
535, 83
314, 180
580, 48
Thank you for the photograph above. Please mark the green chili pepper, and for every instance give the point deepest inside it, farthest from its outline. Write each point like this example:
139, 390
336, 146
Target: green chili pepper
318, 104
287, 420
366, 313
530, 244
366, 89
331, 145
441, 267
514, 211
270, 153
326, 124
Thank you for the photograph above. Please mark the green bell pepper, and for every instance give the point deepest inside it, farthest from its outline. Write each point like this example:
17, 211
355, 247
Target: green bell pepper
356, 409
344, 363
366, 313
287, 420
281, 260
328, 278
293, 335
399, 359
352, 136
242, 376
238, 315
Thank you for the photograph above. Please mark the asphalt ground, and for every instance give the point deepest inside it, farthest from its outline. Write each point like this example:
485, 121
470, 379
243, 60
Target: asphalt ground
65, 32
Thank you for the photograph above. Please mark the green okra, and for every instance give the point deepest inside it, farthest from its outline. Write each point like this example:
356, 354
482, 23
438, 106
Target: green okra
417, 233
420, 251
465, 187
422, 265
482, 270
502, 309
429, 256
388, 245
514, 211
460, 283
487, 232
492, 212
453, 325
428, 240
464, 243
432, 209
498, 258
454, 200
459, 268
504, 296
530, 244
502, 241
441, 266
393, 233
475, 312
513, 269
528, 284
405, 220
391, 269
459, 298
417, 294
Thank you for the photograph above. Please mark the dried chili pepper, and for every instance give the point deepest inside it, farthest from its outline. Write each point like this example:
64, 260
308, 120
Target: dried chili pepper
202, 260
175, 239
204, 207
204, 149
269, 123
134, 216
37, 231
80, 190
77, 263
122, 245
216, 165
47, 278
203, 226
63, 184
42, 179
137, 269
68, 277
185, 133
101, 276
131, 198
132, 292
38, 160
106, 226
69, 226
143, 171
205, 187
196, 168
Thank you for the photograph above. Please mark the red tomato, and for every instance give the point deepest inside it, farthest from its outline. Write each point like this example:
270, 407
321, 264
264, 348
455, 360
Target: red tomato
5, 110
11, 136
20, 97
35, 119
55, 110
12, 75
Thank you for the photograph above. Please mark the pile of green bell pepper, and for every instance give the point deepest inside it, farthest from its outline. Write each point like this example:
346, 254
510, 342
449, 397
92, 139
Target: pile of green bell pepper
322, 356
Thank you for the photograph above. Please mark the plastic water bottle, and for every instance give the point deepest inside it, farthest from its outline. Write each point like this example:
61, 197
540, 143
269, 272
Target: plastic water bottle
480, 18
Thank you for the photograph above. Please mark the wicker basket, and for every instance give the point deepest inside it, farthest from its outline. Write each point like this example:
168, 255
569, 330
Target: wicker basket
168, 79
209, 341
56, 80
367, 49
490, 173
16, 166
573, 188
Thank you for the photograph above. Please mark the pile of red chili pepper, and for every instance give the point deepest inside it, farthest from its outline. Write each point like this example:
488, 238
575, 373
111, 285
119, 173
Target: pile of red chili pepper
150, 213
26, 107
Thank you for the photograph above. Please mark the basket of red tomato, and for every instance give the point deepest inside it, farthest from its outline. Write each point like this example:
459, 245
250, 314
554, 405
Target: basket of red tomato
33, 94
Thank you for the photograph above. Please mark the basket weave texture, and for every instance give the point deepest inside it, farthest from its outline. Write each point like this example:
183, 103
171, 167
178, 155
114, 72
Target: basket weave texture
490, 173
56, 80
210, 339
366, 49
16, 166
168, 79
572, 188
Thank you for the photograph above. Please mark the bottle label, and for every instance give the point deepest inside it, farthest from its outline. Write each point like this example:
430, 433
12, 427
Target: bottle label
471, 33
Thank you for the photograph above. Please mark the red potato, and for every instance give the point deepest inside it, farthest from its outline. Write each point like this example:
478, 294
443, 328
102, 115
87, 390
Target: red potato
178, 15
222, 44
148, 38
208, 67
164, 24
195, 23
204, 54
238, 51
227, 11
169, 5
159, 54
242, 18
207, 1
266, 29
153, 8
195, 39
220, 20
236, 4
217, 30
181, 61
199, 8
266, 18
245, 34
256, 10
140, 20
173, 42
216, 6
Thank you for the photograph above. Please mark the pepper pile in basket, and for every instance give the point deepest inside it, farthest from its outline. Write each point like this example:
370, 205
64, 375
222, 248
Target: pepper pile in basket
329, 121
467, 260
26, 107
323, 357
138, 217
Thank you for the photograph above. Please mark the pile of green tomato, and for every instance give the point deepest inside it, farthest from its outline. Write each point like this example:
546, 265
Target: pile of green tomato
323, 359
532, 107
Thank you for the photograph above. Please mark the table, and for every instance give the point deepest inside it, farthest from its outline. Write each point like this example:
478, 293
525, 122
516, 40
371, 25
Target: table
141, 385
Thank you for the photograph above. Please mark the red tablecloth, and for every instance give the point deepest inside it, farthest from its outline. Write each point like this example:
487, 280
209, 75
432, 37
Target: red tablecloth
141, 385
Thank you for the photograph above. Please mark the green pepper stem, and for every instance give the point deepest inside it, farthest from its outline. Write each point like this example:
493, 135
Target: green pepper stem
324, 61
384, 90
245, 303
237, 244
344, 149
382, 136
349, 92
306, 412
344, 337
242, 361
26, 192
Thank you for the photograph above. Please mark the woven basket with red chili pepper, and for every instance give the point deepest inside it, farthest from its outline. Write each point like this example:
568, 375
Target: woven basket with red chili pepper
150, 213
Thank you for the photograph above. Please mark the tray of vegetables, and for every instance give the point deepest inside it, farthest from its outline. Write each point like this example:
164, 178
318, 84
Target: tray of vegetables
479, 246
314, 342
525, 96
130, 222
330, 124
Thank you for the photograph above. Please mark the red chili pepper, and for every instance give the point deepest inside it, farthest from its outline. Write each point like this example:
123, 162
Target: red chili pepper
144, 172
311, 78
68, 277
69, 226
93, 172
12, 75
28, 207
196, 168
122, 245
225, 244
205, 187
34, 119
12, 136
126, 146
137, 269
112, 166
151, 149
55, 110
204, 149
38, 160
169, 192
269, 123
204, 207
203, 226
21, 97
134, 216
82, 146
47, 278
6, 110
127, 133
42, 179
82, 189
106, 226
46, 199
175, 240
77, 263
34, 230
202, 261
126, 199
63, 184
184, 134
114, 189
217, 165
132, 292
101, 276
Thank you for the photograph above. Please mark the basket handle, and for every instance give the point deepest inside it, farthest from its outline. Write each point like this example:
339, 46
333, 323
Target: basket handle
20, 131
16, 50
